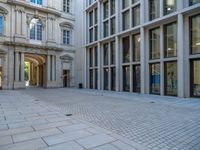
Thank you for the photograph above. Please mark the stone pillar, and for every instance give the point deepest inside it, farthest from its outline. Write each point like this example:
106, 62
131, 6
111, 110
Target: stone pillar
48, 68
117, 41
181, 61
22, 67
53, 68
16, 66
142, 59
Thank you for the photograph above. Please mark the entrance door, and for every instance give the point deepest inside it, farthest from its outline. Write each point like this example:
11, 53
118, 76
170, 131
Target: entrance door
66, 78
195, 83
0, 78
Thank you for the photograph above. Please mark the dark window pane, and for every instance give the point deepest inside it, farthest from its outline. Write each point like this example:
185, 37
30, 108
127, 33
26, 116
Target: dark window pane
126, 78
154, 9
112, 51
113, 78
105, 54
105, 72
155, 78
171, 78
136, 16
91, 57
91, 79
126, 20
126, 50
136, 79
105, 10
193, 2
96, 79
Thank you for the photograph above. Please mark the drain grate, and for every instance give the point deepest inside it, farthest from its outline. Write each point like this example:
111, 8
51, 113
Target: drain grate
68, 115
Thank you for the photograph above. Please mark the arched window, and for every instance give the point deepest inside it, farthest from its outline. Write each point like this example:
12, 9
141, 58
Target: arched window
39, 2
36, 30
67, 6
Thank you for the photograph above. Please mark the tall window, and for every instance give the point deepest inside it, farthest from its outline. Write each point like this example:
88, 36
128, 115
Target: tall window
66, 37
154, 9
169, 6
126, 20
126, 78
105, 29
195, 34
1, 25
155, 78
125, 3
112, 11
136, 47
170, 40
171, 78
66, 6
155, 43
192, 2
36, 30
112, 26
136, 16
105, 10
106, 80
136, 78
195, 83
39, 2
126, 50
105, 54
112, 53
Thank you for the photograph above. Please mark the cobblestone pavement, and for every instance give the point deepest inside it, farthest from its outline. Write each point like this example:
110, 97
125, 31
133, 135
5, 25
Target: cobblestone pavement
154, 122
27, 123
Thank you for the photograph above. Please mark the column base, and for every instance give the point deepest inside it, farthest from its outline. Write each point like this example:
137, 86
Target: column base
19, 85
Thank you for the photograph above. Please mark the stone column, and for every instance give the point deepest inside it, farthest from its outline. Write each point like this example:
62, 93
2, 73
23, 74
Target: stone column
22, 67
16, 66
142, 59
53, 68
48, 67
181, 61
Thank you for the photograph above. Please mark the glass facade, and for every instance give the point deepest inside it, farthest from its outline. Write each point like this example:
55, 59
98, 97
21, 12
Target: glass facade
125, 3
126, 78
105, 78
169, 6
112, 10
91, 79
195, 34
171, 78
112, 53
195, 74
113, 78
155, 43
91, 57
170, 40
105, 10
154, 9
155, 78
126, 49
105, 29
112, 26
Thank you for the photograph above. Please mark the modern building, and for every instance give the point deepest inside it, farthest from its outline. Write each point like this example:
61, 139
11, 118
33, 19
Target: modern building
139, 46
38, 37
143, 46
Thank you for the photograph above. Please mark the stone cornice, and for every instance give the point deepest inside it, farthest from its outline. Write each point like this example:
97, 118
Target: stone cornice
28, 45
27, 5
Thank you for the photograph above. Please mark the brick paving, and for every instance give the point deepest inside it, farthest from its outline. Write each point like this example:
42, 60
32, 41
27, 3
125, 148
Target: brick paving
155, 122
35, 119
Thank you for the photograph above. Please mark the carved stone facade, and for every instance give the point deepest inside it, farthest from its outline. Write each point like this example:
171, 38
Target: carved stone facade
48, 57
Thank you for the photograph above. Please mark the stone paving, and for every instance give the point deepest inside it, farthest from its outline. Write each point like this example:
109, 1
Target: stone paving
152, 122
27, 123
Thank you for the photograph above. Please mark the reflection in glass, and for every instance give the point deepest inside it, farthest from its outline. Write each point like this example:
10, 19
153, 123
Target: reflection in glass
126, 78
195, 34
126, 20
170, 40
136, 79
154, 9
126, 49
136, 47
125, 3
196, 78
171, 78
155, 78
193, 2
105, 10
169, 6
155, 43
136, 16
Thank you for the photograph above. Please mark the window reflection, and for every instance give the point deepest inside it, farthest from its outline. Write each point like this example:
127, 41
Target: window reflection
155, 78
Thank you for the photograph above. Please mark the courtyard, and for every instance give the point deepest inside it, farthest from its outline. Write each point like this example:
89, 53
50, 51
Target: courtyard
72, 119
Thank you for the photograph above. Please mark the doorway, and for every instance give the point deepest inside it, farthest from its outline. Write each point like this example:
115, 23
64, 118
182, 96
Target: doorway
66, 78
1, 78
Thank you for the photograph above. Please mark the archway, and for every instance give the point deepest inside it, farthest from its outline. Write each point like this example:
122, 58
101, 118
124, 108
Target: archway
35, 72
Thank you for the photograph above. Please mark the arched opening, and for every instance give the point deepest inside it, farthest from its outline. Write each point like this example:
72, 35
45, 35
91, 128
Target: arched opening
35, 70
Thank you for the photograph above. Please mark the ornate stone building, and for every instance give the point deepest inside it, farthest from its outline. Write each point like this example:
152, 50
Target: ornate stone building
39, 35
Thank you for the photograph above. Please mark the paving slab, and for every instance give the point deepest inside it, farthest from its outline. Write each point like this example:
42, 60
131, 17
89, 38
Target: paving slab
95, 140
5, 140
